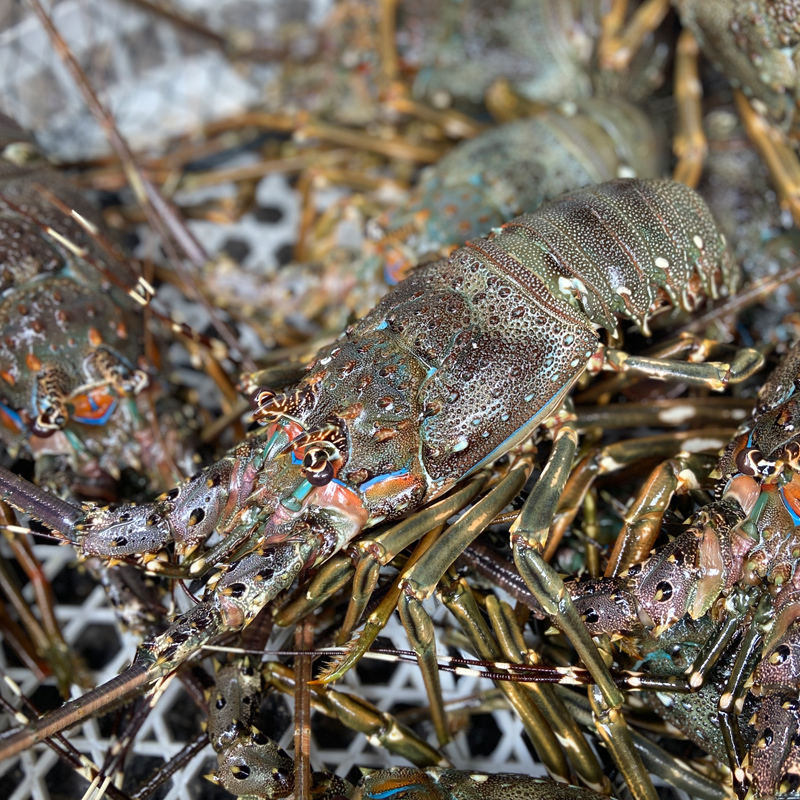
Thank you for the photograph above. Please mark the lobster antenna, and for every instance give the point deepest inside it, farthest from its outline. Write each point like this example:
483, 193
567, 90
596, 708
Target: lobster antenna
14, 742
54, 512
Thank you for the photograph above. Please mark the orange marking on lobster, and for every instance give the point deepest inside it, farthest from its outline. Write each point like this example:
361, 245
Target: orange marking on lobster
94, 406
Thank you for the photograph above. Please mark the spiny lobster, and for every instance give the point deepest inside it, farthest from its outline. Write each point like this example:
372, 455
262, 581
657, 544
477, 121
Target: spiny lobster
71, 343
517, 166
733, 570
458, 365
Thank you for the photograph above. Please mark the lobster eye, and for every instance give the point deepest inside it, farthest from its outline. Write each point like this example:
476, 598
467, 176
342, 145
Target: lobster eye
317, 469
747, 461
261, 397
320, 475
780, 655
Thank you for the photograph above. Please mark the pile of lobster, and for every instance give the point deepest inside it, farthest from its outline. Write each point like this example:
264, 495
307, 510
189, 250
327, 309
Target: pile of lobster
451, 410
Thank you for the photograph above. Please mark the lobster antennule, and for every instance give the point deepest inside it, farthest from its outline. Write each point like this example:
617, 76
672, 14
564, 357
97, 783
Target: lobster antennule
54, 512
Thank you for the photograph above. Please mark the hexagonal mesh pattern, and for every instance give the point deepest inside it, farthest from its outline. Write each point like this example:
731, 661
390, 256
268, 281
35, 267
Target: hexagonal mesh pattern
493, 742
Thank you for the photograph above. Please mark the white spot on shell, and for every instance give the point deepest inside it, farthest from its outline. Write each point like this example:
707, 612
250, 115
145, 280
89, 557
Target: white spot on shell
623, 291
666, 699
479, 777
698, 241
662, 262
460, 445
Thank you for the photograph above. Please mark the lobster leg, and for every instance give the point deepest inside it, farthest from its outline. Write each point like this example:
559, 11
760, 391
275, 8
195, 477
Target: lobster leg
674, 771
45, 635
379, 618
781, 160
512, 644
690, 144
528, 536
371, 554
736, 606
642, 523
391, 543
361, 716
602, 461
420, 581
714, 375
732, 698
714, 410
233, 606
533, 712
618, 44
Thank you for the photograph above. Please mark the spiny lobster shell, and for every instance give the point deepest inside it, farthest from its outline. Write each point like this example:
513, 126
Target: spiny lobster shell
70, 342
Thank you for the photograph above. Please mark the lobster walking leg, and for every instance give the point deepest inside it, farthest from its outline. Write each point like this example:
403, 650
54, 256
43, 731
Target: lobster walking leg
458, 598
617, 455
528, 537
360, 715
690, 144
642, 522
512, 644
714, 375
420, 581
372, 554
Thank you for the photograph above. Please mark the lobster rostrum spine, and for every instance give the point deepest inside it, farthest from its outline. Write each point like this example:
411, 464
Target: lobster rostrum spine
458, 364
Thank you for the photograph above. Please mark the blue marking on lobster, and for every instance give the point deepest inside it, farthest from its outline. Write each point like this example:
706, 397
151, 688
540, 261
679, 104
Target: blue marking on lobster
379, 478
